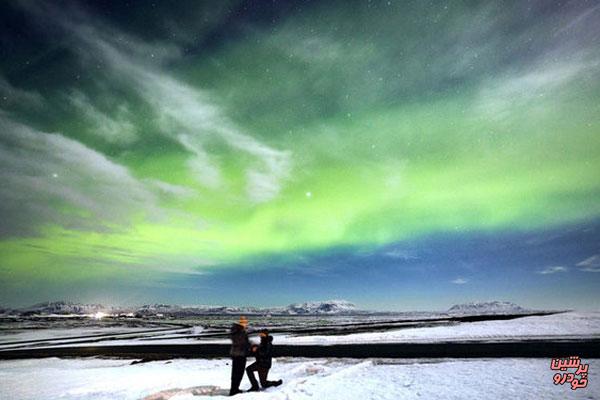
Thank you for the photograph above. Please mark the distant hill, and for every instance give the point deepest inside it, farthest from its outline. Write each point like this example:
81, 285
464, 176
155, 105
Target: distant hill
61, 308
491, 307
189, 311
330, 307
324, 307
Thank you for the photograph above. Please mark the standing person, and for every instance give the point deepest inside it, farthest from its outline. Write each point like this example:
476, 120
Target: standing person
264, 356
239, 349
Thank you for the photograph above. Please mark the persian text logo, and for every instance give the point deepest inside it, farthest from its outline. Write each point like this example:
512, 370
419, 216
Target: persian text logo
564, 364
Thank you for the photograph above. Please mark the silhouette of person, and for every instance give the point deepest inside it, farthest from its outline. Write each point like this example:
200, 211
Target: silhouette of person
264, 355
239, 349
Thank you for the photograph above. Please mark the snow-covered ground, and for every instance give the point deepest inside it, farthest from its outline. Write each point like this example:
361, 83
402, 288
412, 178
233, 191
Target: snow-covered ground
89, 378
303, 379
571, 325
42, 334
565, 325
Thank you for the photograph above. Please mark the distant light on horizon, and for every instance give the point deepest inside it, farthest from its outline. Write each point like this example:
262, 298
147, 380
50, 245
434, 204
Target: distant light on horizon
99, 315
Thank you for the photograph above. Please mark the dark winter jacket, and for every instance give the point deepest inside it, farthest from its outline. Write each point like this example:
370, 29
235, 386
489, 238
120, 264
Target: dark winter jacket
264, 353
239, 341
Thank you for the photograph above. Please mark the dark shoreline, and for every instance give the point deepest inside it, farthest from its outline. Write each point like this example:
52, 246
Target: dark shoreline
588, 348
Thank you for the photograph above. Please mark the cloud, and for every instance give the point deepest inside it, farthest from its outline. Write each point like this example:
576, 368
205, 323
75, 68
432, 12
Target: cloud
536, 83
113, 130
401, 254
535, 86
171, 190
183, 113
578, 19
552, 270
49, 178
590, 264
13, 96
263, 184
459, 281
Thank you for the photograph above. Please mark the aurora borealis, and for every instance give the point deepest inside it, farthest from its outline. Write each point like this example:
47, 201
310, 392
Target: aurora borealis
399, 154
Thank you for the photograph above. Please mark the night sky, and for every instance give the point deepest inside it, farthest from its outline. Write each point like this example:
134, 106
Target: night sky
398, 154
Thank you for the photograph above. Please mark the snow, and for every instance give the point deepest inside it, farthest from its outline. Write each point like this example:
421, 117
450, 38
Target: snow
564, 325
68, 309
556, 326
43, 334
82, 336
318, 308
571, 325
73, 379
91, 378
78, 379
64, 307
490, 307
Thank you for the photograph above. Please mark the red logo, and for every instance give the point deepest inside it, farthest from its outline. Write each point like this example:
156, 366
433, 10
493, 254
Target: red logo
577, 379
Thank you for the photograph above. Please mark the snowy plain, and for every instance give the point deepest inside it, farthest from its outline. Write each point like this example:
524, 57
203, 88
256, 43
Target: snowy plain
568, 325
179, 379
72, 333
99, 379
565, 325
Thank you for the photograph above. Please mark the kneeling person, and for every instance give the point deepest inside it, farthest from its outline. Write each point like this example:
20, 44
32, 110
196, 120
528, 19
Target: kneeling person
263, 353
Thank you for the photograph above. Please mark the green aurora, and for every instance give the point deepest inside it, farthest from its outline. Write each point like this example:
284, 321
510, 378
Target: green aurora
198, 139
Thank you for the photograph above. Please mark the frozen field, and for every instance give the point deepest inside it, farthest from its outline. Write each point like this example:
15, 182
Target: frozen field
316, 378
303, 379
564, 325
318, 331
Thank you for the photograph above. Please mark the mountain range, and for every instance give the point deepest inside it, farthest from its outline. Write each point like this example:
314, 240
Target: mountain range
329, 307
490, 307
